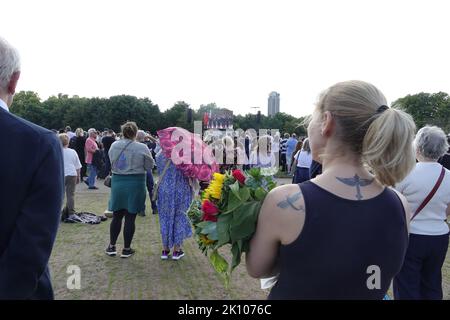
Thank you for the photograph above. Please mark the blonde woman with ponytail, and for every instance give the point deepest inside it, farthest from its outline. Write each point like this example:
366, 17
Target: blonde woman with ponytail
343, 234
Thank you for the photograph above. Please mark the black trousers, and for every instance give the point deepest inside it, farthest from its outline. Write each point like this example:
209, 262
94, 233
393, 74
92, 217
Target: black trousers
283, 162
420, 277
83, 169
128, 230
107, 163
150, 186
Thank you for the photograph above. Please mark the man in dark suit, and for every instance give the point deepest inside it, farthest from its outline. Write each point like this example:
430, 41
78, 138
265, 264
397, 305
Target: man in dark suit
31, 193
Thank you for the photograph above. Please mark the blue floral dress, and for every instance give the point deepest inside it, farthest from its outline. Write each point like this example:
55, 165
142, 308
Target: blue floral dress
174, 199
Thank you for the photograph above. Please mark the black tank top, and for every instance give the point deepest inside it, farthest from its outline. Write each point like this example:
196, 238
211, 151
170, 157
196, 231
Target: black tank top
341, 245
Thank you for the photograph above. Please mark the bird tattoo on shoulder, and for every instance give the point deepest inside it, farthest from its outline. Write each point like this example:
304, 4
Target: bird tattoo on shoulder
290, 202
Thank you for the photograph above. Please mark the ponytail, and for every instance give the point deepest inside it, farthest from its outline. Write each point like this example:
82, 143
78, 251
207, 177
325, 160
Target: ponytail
388, 146
381, 137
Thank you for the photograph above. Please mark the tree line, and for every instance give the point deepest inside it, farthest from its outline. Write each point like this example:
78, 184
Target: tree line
59, 111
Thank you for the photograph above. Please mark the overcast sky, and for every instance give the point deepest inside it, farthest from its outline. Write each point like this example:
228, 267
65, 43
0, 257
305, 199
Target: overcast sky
232, 52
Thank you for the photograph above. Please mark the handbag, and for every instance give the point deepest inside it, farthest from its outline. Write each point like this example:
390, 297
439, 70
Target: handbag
107, 181
431, 194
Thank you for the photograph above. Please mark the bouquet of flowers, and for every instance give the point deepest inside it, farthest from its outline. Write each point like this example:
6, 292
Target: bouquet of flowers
227, 214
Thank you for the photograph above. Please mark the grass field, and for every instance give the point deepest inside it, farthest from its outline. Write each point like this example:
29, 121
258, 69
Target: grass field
143, 276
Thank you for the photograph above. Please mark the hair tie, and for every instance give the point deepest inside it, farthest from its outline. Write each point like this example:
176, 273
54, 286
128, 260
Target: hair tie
382, 108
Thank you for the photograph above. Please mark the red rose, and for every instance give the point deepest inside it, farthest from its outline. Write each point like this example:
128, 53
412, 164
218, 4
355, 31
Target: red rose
209, 207
209, 211
239, 176
209, 217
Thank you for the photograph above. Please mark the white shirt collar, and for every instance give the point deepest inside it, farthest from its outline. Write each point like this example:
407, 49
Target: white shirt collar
3, 105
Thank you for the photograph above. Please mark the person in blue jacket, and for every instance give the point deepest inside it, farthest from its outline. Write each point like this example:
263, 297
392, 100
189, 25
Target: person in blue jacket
31, 193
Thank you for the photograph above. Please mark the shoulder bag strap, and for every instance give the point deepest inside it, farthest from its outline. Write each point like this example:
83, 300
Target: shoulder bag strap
155, 191
431, 194
120, 154
294, 164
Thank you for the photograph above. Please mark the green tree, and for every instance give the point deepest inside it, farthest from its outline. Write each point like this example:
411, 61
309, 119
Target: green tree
61, 110
56, 107
427, 109
206, 108
177, 116
27, 105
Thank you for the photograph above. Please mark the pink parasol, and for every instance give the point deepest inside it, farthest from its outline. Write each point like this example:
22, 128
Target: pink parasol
188, 153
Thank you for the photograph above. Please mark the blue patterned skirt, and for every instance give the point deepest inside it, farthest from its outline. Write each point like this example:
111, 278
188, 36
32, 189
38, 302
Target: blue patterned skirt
174, 199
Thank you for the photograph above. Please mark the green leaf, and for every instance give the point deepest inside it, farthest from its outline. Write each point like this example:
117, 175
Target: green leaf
260, 193
271, 185
194, 212
210, 227
223, 228
244, 220
237, 197
236, 252
213, 235
218, 262
203, 224
255, 172
253, 183
244, 194
233, 202
240, 242
235, 189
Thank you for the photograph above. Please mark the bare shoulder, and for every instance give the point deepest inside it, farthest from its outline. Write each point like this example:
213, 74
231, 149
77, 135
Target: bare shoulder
283, 189
284, 196
284, 211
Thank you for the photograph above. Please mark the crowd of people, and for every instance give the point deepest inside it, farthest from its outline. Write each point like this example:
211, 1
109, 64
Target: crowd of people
86, 159
368, 193
129, 158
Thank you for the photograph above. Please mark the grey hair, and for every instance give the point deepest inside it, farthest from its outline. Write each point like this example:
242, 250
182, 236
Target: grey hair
140, 136
9, 62
431, 142
92, 130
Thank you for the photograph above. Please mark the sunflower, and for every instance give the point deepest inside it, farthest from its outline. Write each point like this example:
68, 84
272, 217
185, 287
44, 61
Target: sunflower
214, 189
204, 239
206, 195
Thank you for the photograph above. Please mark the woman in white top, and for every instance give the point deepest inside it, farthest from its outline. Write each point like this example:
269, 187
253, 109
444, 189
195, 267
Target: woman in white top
303, 160
420, 277
72, 168
262, 155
